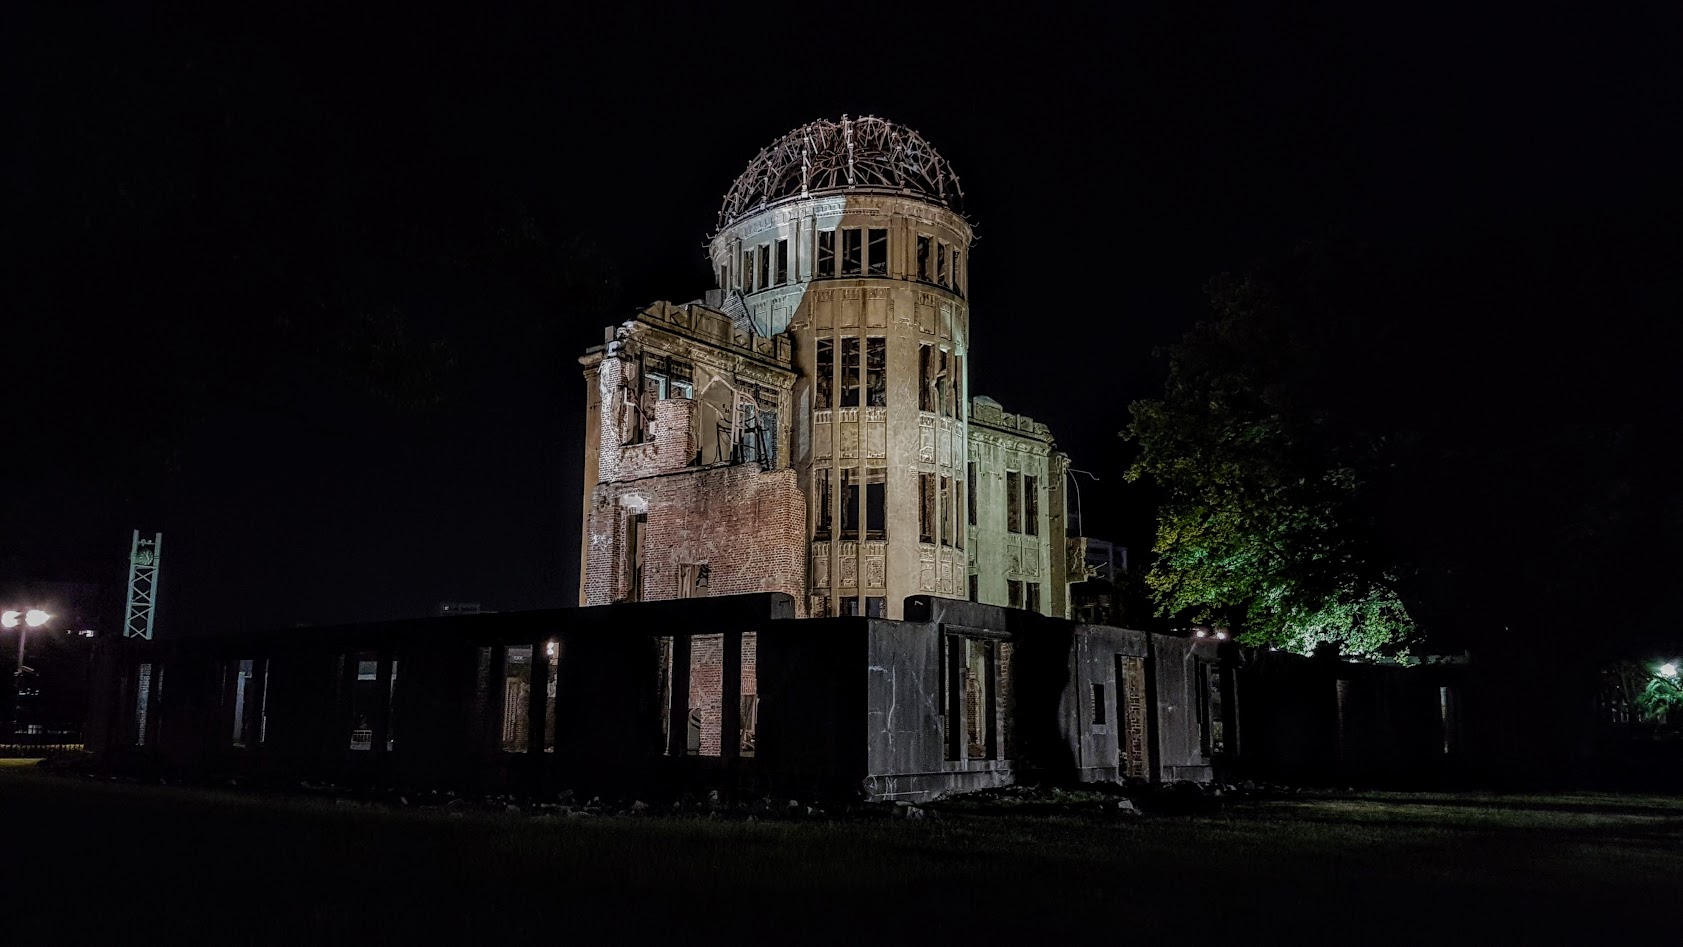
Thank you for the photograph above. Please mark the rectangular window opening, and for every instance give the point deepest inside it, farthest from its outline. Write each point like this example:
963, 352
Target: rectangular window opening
764, 275
975, 588
1098, 705
926, 507
970, 492
1031, 505
826, 254
782, 262
850, 503
365, 699
946, 511
850, 372
941, 263
1014, 593
1031, 596
876, 372
1013, 501
142, 702
824, 374
823, 476
244, 691
517, 699
876, 251
925, 247
876, 502
749, 708
925, 378
706, 684
852, 252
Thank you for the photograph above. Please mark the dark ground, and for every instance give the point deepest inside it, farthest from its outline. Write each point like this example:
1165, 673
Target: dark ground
83, 858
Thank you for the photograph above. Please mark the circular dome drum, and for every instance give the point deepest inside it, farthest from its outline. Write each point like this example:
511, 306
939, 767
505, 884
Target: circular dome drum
866, 153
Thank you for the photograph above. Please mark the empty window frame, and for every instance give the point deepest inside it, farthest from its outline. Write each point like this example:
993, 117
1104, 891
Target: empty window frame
876, 251
663, 684
848, 606
876, 606
971, 698
365, 698
849, 381
876, 502
1014, 593
245, 714
748, 719
850, 503
1013, 501
1213, 732
1031, 505
636, 527
852, 252
1099, 706
926, 508
957, 285
826, 254
876, 372
925, 249
724, 277
822, 485
926, 378
970, 492
763, 278
517, 698
782, 262
975, 587
1031, 596
706, 688
946, 511
944, 381
941, 262
747, 271
824, 372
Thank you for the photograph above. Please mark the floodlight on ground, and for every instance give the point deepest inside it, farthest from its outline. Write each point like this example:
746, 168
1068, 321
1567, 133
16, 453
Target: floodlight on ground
1668, 670
36, 618
1221, 636
1202, 633
9, 619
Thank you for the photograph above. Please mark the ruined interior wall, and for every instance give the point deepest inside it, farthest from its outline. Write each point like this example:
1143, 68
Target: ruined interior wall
747, 525
1179, 747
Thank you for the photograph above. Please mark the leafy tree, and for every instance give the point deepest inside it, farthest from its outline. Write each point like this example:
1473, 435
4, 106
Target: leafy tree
1382, 450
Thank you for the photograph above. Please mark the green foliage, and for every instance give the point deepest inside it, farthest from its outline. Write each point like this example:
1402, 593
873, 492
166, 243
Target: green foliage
1263, 527
1660, 698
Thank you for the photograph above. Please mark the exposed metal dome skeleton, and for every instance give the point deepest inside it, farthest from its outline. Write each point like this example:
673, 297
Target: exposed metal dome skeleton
868, 153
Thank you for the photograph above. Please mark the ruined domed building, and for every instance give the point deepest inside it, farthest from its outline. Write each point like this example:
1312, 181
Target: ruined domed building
808, 427
816, 564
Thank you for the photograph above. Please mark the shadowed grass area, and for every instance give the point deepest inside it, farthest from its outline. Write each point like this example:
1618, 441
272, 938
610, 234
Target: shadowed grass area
101, 858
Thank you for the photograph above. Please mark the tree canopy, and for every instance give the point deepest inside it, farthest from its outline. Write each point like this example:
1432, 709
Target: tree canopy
1437, 450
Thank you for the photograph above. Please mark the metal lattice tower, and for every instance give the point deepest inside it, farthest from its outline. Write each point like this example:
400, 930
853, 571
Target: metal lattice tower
143, 585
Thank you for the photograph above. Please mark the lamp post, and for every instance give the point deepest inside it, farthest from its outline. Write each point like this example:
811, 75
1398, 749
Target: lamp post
31, 618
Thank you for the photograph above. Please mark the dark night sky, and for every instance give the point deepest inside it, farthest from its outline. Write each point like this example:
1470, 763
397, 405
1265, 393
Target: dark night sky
229, 242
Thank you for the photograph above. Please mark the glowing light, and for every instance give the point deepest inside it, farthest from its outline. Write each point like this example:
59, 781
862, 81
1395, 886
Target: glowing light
36, 618
1221, 636
1202, 633
10, 619
550, 649
1668, 670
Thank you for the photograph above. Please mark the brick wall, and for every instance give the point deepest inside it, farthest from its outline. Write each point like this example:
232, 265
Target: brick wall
747, 525
707, 661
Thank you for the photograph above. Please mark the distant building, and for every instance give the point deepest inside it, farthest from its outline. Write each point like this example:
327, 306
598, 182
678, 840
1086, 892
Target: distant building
1097, 572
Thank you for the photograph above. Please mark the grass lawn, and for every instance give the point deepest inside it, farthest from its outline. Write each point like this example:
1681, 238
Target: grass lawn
82, 858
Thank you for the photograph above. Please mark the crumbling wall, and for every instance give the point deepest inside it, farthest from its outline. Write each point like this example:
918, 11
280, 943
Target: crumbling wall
746, 525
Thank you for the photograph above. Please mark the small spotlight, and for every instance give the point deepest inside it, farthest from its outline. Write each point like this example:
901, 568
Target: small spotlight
36, 618
9, 619
1221, 636
1202, 633
1668, 670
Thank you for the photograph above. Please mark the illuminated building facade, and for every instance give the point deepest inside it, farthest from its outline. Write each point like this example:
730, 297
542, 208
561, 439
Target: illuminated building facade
808, 427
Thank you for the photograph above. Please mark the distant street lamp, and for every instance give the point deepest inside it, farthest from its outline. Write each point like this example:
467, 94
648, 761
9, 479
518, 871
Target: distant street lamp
33, 618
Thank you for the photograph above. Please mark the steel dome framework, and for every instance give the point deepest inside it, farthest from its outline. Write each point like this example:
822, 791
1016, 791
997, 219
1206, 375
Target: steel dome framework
859, 153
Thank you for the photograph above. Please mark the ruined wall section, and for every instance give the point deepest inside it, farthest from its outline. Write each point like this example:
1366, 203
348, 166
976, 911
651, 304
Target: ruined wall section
676, 504
1007, 450
747, 526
